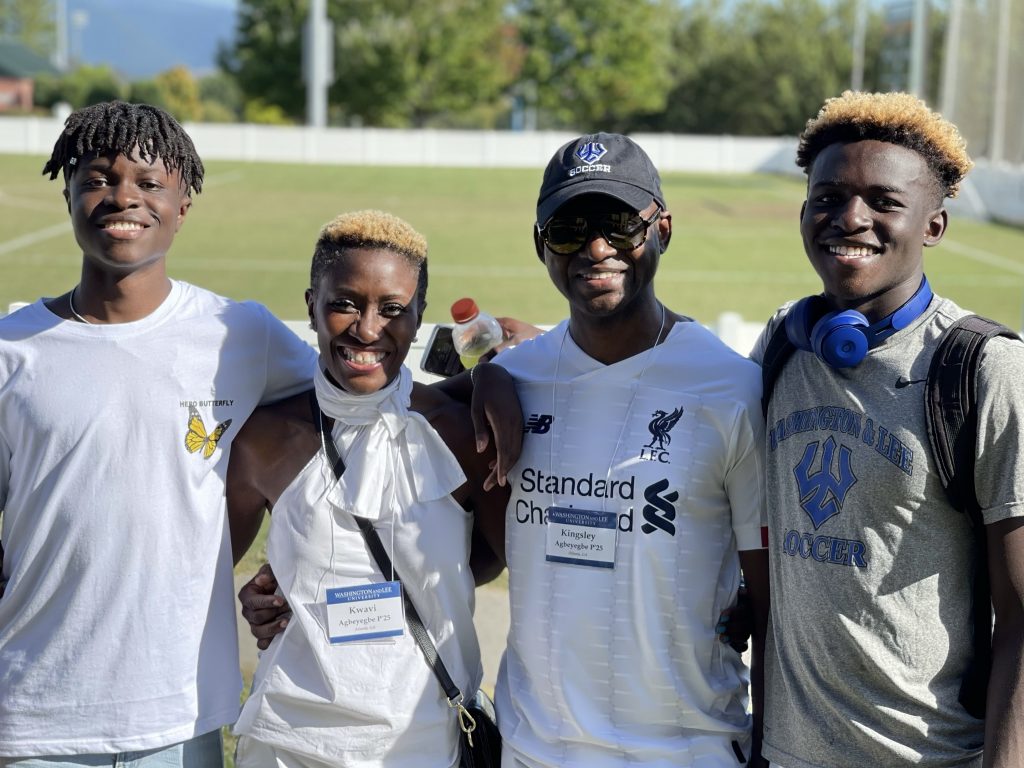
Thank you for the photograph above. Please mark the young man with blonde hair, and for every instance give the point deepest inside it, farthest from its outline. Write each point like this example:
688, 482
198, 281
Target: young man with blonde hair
873, 631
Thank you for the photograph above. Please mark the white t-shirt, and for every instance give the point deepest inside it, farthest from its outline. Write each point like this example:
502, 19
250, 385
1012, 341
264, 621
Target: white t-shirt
117, 626
364, 704
618, 666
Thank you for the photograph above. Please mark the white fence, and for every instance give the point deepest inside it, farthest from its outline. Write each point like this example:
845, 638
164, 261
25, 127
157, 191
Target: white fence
426, 147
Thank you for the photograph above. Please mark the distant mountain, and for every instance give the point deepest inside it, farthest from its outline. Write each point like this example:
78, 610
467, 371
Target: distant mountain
144, 37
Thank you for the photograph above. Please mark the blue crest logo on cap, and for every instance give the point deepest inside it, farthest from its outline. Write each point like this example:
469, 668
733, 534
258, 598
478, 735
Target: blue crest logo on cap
591, 152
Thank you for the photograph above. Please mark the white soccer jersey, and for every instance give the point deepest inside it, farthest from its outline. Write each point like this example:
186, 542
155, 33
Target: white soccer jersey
117, 628
612, 658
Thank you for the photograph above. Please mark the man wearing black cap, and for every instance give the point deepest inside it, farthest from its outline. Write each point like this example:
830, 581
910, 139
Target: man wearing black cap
638, 496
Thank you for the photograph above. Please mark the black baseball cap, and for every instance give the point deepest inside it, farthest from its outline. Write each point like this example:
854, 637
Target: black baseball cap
599, 163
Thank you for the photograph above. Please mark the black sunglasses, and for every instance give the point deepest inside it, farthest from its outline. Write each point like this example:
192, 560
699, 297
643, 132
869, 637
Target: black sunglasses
624, 231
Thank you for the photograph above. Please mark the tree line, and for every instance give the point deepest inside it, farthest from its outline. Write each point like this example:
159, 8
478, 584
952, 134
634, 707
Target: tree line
742, 67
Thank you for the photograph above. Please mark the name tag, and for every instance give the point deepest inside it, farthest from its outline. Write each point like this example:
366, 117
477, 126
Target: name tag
365, 612
581, 537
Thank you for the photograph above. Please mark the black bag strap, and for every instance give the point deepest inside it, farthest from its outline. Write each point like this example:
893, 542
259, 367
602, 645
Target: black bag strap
778, 351
951, 406
951, 395
383, 560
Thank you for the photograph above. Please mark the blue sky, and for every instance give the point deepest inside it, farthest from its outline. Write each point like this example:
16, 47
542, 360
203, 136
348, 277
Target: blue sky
154, 37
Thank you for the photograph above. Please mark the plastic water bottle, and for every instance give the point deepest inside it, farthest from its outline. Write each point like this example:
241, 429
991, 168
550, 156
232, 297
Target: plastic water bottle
475, 333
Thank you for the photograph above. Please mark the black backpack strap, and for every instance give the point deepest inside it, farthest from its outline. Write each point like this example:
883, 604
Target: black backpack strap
778, 351
951, 394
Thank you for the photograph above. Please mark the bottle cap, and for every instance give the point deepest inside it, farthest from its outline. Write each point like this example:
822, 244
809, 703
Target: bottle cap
464, 310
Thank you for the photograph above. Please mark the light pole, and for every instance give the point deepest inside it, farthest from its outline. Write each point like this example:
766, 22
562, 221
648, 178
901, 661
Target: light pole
60, 25
317, 62
918, 38
79, 21
860, 27
996, 142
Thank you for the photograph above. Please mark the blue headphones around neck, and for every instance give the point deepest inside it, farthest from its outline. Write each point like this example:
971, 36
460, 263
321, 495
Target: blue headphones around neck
842, 339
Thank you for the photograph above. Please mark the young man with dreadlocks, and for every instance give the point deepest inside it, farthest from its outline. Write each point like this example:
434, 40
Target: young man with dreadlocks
118, 403
871, 566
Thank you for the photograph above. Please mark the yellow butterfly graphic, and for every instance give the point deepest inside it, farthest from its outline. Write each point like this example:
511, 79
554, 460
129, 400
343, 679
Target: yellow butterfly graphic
197, 437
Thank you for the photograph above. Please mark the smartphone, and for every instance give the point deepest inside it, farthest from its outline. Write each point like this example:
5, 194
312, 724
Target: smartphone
441, 359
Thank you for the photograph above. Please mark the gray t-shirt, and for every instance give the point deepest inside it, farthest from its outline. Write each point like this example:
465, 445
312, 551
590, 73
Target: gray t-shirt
870, 565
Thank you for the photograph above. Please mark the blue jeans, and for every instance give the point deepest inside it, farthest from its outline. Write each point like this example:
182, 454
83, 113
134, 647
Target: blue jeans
204, 751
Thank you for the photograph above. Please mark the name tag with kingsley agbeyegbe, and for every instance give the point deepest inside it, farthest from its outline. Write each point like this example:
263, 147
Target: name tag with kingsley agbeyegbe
581, 537
365, 612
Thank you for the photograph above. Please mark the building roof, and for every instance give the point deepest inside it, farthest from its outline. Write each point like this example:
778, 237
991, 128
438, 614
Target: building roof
18, 60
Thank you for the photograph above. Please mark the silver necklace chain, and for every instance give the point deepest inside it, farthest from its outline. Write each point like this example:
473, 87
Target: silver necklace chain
71, 301
629, 406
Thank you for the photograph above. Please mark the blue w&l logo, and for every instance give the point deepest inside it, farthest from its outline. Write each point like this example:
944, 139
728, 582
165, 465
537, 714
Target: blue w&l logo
822, 493
591, 152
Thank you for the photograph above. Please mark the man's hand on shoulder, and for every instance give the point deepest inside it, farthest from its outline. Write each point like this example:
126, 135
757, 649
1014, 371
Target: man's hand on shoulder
495, 409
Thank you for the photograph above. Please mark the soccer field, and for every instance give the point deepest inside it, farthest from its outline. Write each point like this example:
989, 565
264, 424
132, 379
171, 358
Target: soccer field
250, 233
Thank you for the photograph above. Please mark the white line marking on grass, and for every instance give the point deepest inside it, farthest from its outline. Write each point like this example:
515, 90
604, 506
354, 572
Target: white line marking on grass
233, 265
984, 257
225, 178
28, 204
809, 278
277, 265
723, 276
48, 233
24, 241
696, 277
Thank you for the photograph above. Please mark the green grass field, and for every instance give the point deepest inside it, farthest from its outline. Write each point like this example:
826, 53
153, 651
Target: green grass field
250, 234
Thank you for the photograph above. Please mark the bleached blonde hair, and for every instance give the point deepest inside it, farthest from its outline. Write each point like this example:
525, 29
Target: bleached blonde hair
895, 118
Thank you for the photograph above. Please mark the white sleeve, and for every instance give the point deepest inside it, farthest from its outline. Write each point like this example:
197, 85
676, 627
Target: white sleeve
761, 345
745, 478
290, 361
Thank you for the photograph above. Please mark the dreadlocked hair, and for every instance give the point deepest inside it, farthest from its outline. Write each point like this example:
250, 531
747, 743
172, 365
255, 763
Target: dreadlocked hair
117, 126
895, 118
369, 230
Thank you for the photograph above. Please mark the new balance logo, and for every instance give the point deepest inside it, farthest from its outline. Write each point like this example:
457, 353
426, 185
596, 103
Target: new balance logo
822, 493
538, 423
